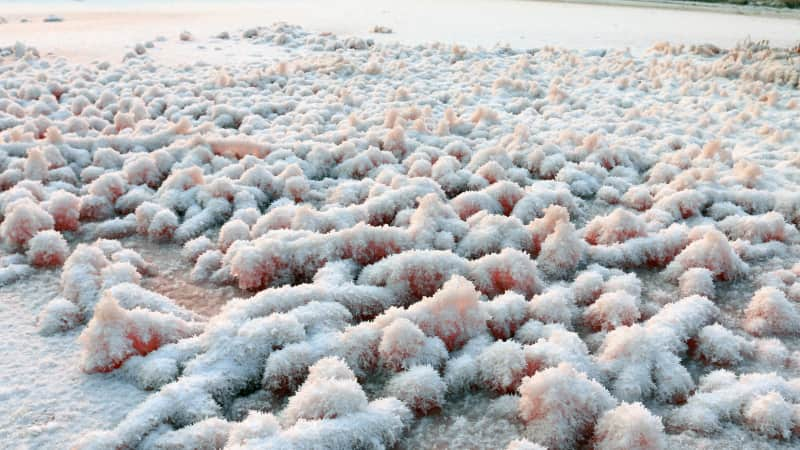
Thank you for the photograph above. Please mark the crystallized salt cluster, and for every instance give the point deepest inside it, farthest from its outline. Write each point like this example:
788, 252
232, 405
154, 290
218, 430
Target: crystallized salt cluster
539, 249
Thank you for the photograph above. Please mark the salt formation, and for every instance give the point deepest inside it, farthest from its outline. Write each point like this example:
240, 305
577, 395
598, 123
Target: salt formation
771, 313
560, 406
630, 426
47, 248
23, 219
642, 360
114, 334
525, 247
765, 403
421, 389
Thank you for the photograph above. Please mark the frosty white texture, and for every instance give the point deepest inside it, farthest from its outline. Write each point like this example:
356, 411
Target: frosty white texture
542, 247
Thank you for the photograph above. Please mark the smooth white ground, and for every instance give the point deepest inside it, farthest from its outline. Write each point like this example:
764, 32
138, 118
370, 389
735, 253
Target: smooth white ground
94, 30
45, 398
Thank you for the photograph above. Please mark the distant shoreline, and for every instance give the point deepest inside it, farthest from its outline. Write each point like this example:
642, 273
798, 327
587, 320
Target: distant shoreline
99, 31
689, 5
16, 9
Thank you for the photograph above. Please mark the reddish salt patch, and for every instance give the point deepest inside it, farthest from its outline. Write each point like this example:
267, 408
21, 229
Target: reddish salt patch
44, 259
369, 252
687, 211
424, 284
162, 233
452, 340
109, 368
655, 258
509, 200
489, 176
377, 219
467, 210
503, 280
65, 209
502, 330
142, 346
66, 221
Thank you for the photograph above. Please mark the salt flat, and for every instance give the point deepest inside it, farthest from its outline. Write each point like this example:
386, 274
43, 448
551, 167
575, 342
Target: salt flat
222, 229
94, 30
